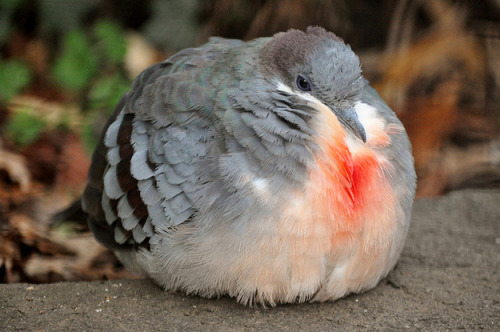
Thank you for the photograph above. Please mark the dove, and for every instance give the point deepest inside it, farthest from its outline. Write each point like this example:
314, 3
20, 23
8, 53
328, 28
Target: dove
268, 171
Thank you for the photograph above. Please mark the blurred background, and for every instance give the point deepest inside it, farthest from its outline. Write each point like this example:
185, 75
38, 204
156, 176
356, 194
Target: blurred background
65, 63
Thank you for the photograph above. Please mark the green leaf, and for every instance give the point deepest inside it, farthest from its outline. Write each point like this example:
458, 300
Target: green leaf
111, 39
23, 127
93, 125
88, 135
14, 76
107, 91
77, 63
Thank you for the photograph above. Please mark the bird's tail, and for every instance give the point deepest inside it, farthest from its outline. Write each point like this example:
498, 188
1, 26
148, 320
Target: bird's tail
73, 213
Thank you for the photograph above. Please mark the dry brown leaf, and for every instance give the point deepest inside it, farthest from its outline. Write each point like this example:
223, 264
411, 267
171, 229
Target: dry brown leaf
140, 55
437, 85
57, 157
426, 59
73, 163
51, 113
14, 165
81, 266
29, 253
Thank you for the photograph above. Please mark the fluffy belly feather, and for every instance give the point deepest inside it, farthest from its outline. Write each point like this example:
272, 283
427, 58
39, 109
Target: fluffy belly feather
334, 237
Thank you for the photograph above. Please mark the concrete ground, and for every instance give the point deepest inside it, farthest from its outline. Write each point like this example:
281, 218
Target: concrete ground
448, 278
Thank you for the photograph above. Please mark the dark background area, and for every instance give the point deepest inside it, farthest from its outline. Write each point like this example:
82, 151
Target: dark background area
64, 65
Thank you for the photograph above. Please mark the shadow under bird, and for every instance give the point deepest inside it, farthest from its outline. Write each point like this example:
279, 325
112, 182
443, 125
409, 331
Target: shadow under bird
269, 171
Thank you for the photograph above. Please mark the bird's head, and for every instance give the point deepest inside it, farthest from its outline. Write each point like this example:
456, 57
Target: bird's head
317, 67
291, 103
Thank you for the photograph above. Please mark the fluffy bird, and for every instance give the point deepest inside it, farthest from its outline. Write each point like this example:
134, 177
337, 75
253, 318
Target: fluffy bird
269, 171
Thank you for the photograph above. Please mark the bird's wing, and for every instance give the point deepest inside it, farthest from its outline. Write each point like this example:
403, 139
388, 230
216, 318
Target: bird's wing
145, 174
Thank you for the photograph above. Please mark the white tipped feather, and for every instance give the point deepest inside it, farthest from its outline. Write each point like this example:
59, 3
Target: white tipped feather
111, 186
124, 208
106, 206
149, 193
112, 133
130, 222
138, 234
139, 141
120, 236
139, 166
113, 155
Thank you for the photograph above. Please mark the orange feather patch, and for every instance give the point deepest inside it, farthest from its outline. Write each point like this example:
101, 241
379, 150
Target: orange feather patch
346, 186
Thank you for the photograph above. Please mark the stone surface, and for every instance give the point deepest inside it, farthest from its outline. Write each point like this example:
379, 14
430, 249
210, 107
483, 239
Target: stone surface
448, 278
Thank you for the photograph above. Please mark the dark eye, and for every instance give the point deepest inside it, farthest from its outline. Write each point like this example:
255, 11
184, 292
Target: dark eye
303, 84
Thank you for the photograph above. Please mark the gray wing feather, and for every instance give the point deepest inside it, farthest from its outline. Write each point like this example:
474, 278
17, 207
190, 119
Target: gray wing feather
121, 235
110, 139
130, 222
148, 227
166, 189
149, 193
111, 186
177, 145
148, 155
124, 208
109, 214
113, 155
139, 235
139, 165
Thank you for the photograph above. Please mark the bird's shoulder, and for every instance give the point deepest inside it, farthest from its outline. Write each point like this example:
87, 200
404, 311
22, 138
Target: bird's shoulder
180, 76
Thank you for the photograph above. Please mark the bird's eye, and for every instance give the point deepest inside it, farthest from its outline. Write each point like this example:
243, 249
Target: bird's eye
303, 84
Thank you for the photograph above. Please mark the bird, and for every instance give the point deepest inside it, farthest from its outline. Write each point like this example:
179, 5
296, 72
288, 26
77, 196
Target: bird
268, 171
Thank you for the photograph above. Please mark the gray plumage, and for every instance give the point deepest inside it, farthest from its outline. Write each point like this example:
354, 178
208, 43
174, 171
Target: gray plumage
200, 156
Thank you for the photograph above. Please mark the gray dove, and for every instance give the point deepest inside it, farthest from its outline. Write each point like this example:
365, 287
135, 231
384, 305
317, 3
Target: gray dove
268, 171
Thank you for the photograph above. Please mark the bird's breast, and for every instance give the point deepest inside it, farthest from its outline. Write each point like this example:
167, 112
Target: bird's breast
348, 196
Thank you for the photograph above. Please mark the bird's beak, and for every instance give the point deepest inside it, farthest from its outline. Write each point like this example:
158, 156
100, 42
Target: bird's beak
349, 119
